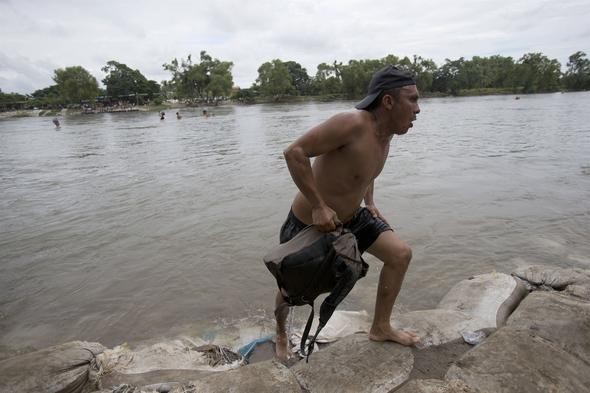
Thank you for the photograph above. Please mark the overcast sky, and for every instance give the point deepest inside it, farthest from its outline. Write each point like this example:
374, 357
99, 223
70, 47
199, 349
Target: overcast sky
37, 37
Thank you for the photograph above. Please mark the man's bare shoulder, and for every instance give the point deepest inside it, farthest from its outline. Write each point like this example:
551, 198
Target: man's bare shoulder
338, 131
355, 122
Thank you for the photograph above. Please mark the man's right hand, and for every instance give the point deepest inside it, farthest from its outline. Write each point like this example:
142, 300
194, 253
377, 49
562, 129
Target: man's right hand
324, 218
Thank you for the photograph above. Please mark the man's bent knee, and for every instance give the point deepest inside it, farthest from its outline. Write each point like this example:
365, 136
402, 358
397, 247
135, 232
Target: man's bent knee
399, 262
391, 250
405, 255
400, 258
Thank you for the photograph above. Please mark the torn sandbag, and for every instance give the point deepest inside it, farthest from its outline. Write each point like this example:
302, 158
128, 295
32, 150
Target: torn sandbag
62, 368
340, 325
488, 297
183, 353
438, 326
574, 281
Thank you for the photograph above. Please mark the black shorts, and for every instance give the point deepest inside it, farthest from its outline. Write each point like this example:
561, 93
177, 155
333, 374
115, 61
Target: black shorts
363, 225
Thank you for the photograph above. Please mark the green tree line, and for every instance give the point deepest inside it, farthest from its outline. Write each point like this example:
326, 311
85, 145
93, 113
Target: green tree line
210, 80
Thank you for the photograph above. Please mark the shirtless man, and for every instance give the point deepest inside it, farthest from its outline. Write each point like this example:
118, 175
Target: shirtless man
350, 150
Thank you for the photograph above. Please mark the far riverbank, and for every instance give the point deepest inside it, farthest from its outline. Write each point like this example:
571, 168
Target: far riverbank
171, 105
79, 111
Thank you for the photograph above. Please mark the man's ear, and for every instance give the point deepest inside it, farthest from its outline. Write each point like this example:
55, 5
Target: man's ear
388, 101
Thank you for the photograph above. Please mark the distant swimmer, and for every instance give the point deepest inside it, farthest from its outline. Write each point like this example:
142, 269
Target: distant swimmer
56, 122
178, 116
205, 113
162, 114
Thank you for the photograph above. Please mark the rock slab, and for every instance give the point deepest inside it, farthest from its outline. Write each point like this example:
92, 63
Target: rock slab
564, 321
263, 377
435, 386
514, 360
355, 364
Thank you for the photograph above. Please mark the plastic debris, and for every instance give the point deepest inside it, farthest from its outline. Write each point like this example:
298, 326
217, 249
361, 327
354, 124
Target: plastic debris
473, 338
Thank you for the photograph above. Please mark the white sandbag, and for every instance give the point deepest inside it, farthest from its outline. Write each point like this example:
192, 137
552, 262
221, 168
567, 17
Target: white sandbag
341, 324
437, 326
575, 282
62, 368
234, 334
488, 297
183, 353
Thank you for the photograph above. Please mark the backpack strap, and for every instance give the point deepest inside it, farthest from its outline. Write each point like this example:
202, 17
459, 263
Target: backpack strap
346, 281
306, 334
325, 264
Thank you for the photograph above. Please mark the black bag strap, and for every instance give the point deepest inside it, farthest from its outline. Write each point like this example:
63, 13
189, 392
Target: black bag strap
306, 334
343, 287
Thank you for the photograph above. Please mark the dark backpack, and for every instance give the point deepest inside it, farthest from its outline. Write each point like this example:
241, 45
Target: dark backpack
312, 263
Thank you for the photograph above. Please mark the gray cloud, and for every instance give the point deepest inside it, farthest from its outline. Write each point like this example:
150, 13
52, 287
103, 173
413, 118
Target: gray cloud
21, 74
39, 36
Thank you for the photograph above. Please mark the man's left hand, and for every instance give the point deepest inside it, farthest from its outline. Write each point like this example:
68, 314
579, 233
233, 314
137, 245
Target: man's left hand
375, 213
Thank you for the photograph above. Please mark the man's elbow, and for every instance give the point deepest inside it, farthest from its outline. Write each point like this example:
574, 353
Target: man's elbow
291, 153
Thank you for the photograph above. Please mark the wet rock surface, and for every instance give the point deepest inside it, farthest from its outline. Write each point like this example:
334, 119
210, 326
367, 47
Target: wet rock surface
513, 360
564, 321
269, 376
543, 346
356, 364
435, 386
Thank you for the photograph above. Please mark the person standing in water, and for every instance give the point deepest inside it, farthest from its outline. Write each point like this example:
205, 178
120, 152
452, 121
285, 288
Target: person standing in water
350, 150
56, 122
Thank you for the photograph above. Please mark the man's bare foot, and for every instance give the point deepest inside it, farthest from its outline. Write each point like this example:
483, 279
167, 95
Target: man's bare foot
390, 334
282, 347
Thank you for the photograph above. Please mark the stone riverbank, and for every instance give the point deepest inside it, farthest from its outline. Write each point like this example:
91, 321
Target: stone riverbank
524, 332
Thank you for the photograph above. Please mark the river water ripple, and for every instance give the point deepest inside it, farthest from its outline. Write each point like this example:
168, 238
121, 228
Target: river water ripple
120, 227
